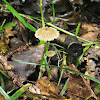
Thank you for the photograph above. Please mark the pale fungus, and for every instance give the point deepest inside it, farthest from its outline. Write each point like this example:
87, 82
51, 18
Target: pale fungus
50, 53
47, 34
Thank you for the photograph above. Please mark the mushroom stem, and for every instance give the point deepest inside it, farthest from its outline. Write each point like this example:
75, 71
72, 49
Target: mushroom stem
45, 46
41, 71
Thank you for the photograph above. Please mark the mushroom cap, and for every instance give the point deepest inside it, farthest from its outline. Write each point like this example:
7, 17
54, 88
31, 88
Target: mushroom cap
50, 53
47, 34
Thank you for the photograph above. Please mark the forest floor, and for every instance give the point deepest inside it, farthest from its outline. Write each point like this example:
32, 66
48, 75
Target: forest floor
66, 67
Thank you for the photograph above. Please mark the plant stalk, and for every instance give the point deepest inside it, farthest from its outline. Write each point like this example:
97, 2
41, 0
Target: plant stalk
42, 17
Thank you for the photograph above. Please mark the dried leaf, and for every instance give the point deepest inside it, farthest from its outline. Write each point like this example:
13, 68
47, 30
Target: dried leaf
48, 88
78, 88
5, 39
7, 33
89, 32
90, 27
24, 70
91, 36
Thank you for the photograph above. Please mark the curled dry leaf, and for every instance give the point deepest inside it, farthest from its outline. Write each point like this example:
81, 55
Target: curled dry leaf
8, 32
48, 88
5, 39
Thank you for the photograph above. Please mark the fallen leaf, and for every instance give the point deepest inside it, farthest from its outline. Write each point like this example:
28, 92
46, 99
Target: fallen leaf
90, 27
7, 33
78, 88
91, 36
48, 88
89, 32
5, 39
24, 70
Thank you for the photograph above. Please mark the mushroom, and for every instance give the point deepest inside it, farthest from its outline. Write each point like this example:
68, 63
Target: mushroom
50, 53
46, 34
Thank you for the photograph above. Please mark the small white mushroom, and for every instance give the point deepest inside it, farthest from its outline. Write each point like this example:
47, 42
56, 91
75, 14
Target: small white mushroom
50, 53
47, 34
